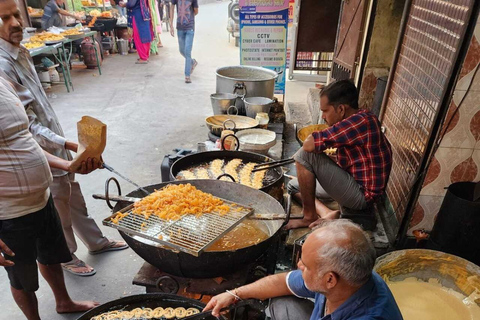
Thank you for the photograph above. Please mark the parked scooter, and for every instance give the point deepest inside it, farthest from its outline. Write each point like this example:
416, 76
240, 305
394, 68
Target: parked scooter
233, 25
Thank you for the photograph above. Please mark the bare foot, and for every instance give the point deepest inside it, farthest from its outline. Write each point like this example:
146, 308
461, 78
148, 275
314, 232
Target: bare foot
299, 223
335, 214
76, 306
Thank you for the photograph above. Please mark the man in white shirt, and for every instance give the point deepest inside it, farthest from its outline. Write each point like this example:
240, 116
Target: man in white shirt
30, 229
17, 64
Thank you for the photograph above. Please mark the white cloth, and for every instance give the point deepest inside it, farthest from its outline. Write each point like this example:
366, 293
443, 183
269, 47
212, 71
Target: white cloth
18, 66
24, 171
73, 214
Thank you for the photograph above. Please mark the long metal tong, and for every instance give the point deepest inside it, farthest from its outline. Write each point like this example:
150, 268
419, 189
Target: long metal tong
109, 168
272, 164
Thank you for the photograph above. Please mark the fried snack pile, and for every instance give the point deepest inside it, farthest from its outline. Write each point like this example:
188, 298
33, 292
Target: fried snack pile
148, 313
71, 32
33, 45
330, 151
95, 13
106, 14
175, 201
92, 22
33, 12
46, 36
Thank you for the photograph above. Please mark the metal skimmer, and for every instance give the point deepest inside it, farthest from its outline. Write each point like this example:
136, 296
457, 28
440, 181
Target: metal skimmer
189, 234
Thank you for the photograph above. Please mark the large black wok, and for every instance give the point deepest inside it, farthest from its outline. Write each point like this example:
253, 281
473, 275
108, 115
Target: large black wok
210, 264
274, 177
150, 300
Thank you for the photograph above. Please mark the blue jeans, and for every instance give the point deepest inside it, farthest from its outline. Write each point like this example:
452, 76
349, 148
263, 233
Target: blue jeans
185, 44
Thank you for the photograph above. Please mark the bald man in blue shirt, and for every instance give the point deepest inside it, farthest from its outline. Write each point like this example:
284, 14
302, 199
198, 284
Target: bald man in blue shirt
335, 272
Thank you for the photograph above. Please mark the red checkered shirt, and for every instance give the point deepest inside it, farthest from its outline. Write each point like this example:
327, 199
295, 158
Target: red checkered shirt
362, 150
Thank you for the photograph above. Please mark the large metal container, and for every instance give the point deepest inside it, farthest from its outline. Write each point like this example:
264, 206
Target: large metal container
246, 81
452, 272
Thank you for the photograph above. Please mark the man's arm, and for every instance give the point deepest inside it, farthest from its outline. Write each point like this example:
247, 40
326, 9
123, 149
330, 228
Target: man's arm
309, 144
348, 132
88, 166
195, 7
45, 137
5, 250
265, 288
66, 13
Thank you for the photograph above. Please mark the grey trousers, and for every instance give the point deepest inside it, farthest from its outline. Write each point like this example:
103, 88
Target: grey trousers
72, 210
290, 308
332, 182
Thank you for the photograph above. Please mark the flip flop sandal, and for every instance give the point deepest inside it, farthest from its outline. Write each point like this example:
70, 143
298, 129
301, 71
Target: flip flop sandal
141, 62
113, 245
188, 80
71, 266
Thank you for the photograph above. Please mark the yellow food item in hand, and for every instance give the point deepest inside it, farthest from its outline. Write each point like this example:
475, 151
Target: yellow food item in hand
330, 151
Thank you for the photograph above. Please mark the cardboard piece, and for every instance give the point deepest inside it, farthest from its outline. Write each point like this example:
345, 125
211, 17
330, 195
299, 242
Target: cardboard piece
92, 139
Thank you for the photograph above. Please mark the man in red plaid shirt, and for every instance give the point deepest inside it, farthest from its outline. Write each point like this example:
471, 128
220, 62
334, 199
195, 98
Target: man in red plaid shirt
364, 160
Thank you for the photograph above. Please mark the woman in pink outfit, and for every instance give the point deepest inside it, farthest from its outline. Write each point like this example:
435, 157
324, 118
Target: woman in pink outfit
139, 20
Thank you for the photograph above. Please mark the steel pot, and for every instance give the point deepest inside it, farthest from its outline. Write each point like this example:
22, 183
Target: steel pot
246, 81
210, 264
223, 103
254, 105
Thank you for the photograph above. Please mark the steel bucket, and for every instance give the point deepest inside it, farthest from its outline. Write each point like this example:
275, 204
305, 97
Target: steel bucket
255, 105
122, 45
223, 103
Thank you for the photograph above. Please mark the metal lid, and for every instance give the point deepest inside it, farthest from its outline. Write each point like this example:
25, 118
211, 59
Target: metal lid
246, 73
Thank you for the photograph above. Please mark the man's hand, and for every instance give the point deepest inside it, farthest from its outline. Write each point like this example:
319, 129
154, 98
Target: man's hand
219, 302
88, 166
172, 31
72, 146
309, 144
6, 250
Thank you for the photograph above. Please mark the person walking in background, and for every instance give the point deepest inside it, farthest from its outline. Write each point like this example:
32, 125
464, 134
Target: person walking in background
186, 12
156, 27
139, 19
